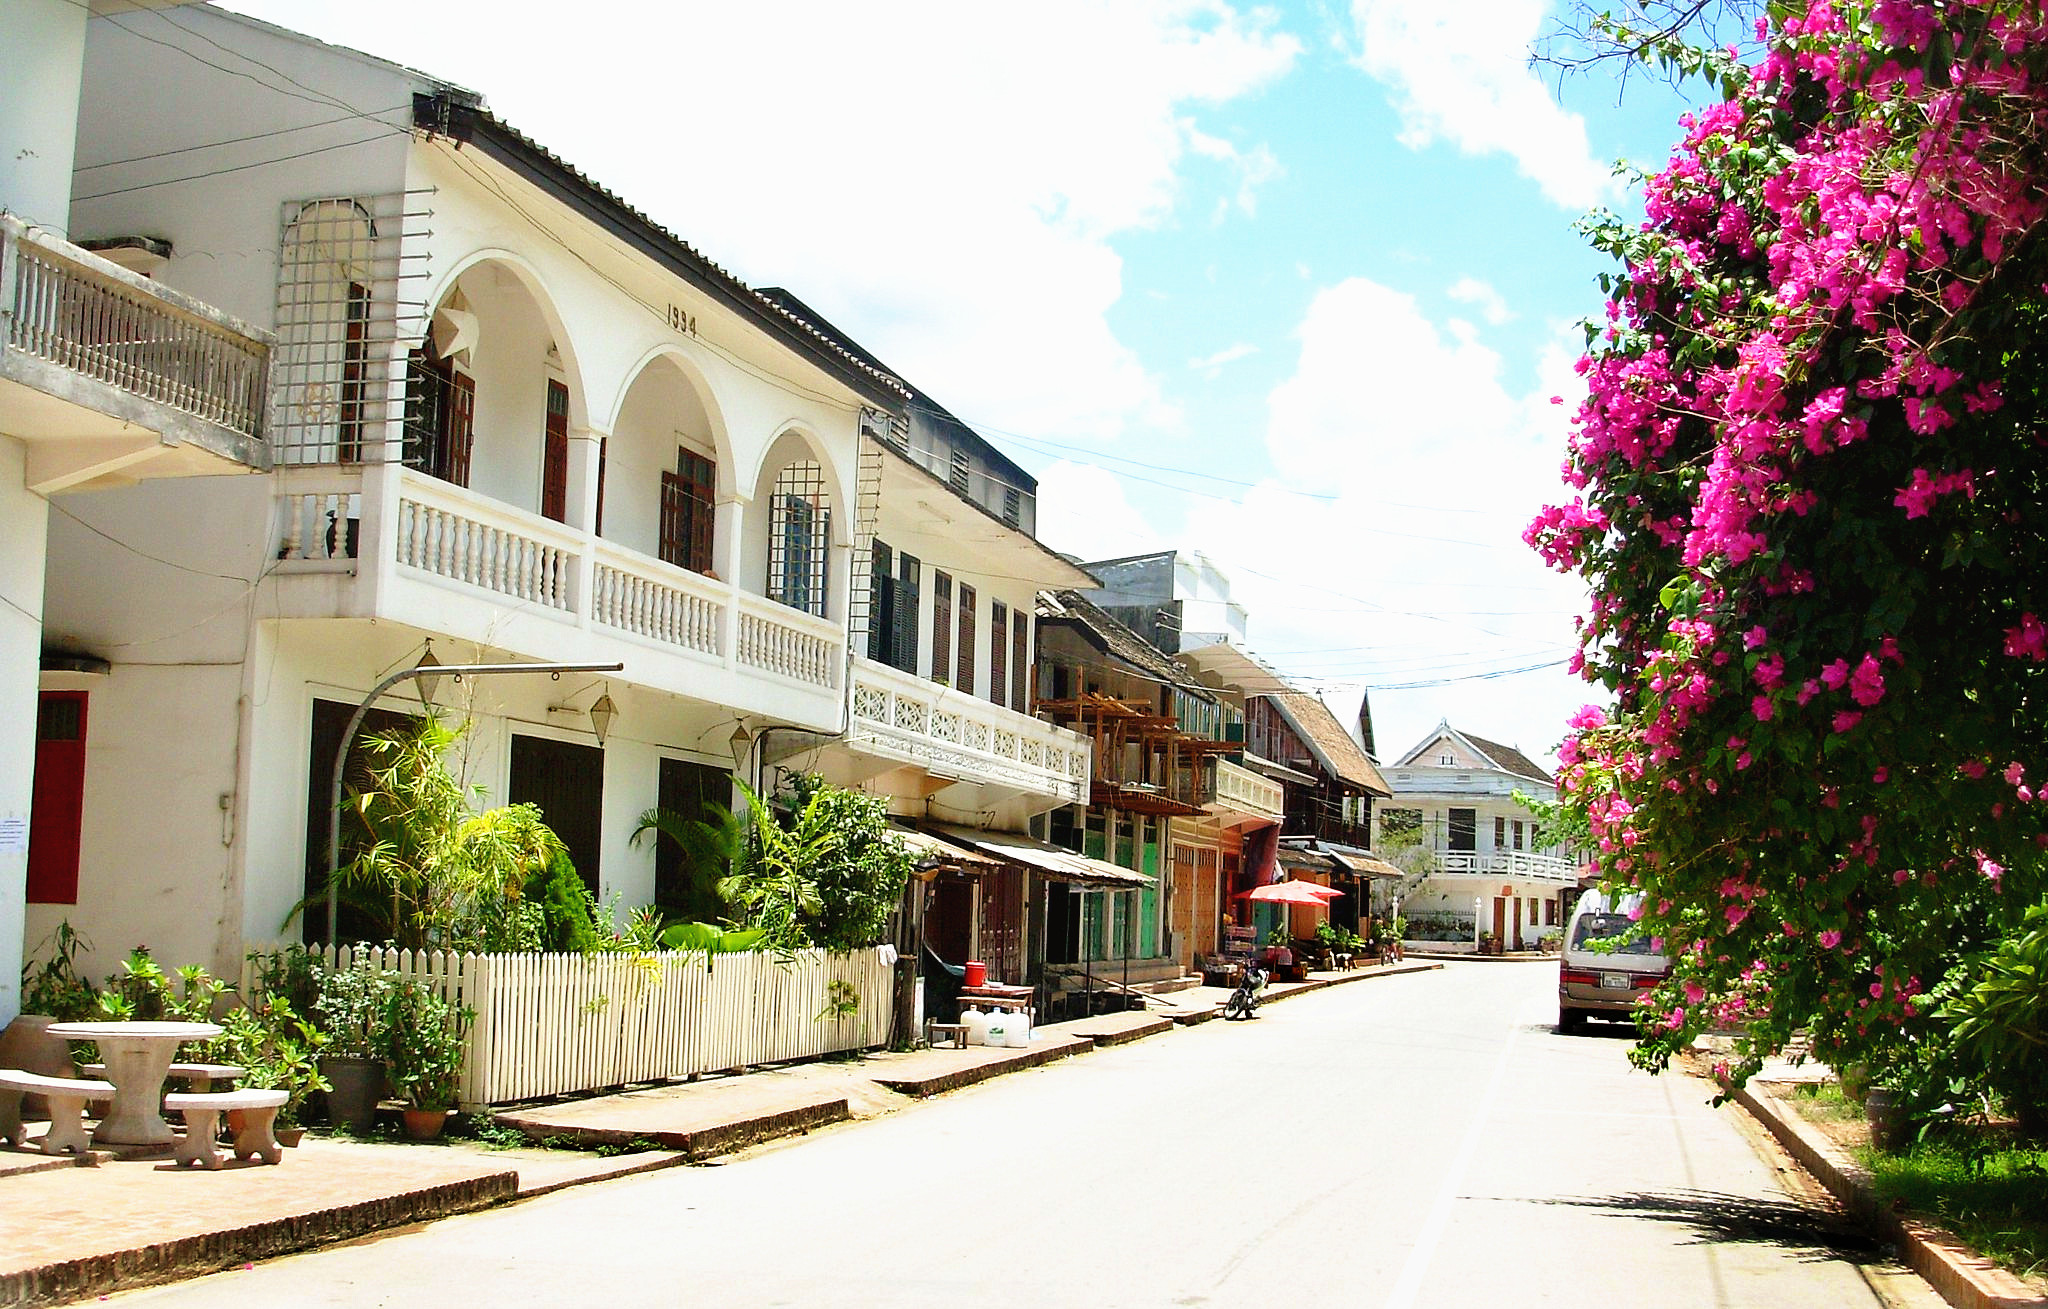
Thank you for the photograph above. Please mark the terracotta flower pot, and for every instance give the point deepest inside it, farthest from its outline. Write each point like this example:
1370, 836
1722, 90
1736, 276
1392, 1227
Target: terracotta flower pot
425, 1124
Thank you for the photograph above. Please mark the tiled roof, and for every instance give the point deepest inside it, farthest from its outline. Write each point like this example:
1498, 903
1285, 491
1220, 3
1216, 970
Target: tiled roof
1508, 759
1335, 750
1121, 642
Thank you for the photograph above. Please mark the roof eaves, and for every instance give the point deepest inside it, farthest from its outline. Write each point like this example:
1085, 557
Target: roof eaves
461, 118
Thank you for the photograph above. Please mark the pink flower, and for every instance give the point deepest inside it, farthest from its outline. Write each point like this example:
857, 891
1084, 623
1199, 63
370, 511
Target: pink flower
1847, 719
2015, 773
2029, 640
1761, 707
1829, 939
1587, 718
1866, 685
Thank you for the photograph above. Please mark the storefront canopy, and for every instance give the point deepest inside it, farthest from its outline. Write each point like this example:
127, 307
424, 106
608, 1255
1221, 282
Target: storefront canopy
935, 855
1060, 864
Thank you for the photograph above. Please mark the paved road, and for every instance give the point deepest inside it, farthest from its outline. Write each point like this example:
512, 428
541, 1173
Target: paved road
1412, 1141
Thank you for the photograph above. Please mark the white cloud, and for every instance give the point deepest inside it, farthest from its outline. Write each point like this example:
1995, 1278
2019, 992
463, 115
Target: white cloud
941, 179
1083, 511
1459, 73
1482, 296
1229, 354
1387, 548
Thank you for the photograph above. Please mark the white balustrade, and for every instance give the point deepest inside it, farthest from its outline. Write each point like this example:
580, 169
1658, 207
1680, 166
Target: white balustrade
775, 638
319, 519
1246, 791
916, 719
445, 532
628, 594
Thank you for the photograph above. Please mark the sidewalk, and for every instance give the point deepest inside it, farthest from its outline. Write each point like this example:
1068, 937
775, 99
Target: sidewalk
69, 1232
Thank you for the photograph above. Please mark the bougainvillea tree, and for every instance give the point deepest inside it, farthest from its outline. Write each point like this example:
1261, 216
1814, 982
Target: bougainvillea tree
1811, 471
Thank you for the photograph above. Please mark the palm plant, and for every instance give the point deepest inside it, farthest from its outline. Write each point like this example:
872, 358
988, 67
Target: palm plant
434, 871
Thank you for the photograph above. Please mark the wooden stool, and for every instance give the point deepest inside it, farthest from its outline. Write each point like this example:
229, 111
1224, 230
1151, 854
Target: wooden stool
67, 1098
202, 1112
955, 1033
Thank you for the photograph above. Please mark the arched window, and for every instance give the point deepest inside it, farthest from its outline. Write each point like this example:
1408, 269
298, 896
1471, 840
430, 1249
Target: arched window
799, 532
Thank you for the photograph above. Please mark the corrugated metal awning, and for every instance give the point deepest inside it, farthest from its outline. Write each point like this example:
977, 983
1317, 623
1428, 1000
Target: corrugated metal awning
935, 855
1059, 864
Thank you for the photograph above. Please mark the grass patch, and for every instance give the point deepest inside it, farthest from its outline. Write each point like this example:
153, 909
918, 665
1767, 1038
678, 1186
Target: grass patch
1974, 1179
1993, 1196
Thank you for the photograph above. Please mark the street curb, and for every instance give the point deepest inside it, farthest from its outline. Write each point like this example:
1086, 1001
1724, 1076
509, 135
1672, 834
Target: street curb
700, 1143
207, 1252
923, 1088
1959, 1275
1128, 1034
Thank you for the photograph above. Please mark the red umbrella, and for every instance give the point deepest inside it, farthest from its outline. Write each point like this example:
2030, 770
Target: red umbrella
1291, 892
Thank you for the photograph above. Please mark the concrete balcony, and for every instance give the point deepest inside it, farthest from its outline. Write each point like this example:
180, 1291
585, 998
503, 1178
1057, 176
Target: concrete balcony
387, 542
1508, 863
109, 377
973, 755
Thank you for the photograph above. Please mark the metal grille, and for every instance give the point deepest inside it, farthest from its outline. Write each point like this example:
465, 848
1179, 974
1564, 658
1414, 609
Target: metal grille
351, 275
799, 534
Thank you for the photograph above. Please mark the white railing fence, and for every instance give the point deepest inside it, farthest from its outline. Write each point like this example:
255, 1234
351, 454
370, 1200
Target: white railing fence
118, 329
1510, 863
554, 1024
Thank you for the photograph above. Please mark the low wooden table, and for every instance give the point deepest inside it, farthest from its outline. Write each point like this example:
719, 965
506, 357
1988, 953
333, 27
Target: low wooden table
1011, 999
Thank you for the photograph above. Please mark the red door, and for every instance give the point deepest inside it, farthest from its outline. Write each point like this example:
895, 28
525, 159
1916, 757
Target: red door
56, 814
554, 468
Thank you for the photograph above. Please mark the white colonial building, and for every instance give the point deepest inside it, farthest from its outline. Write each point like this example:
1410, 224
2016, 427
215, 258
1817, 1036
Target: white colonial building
513, 417
1456, 793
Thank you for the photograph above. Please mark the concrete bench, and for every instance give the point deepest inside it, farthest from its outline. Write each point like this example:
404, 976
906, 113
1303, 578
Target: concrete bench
66, 1096
201, 1076
253, 1138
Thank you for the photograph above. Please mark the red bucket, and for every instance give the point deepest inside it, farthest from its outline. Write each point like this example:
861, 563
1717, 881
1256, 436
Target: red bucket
977, 973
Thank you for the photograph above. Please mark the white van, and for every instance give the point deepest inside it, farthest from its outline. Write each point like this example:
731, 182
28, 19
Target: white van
1604, 981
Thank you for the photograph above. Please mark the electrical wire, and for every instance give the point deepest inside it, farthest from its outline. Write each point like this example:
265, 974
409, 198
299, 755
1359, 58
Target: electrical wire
233, 140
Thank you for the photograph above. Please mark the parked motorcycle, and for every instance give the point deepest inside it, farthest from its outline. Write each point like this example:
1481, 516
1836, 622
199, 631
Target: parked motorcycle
1244, 1001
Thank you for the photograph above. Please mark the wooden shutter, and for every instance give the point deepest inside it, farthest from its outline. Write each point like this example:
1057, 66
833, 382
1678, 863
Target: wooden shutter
57, 805
909, 604
998, 651
964, 678
1020, 638
942, 626
554, 460
881, 617
458, 427
604, 444
354, 373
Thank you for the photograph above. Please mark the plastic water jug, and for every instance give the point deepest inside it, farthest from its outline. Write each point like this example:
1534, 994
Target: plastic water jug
998, 1030
976, 1023
1017, 1034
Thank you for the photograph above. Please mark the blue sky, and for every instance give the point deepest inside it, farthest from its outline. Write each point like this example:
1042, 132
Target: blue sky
1289, 285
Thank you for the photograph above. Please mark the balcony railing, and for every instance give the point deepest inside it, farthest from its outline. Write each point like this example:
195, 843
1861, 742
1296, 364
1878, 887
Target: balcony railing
80, 313
471, 541
1510, 863
1248, 792
1325, 828
954, 733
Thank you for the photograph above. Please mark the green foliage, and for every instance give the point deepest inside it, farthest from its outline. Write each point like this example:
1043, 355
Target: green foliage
55, 986
827, 873
564, 903
353, 1002
841, 1001
2001, 1020
710, 939
420, 1039
435, 872
1986, 1192
711, 844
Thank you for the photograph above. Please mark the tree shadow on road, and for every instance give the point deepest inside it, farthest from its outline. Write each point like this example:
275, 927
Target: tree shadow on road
1814, 1234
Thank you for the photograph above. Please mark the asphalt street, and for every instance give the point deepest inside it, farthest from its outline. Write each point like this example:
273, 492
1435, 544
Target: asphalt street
1423, 1140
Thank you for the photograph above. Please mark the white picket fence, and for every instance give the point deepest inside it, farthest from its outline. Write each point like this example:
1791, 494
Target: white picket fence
552, 1024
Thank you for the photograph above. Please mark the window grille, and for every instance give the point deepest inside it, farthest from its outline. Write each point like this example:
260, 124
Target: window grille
799, 534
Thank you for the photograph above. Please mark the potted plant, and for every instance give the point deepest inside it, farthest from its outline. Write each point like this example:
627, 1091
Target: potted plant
422, 1048
351, 1009
279, 1051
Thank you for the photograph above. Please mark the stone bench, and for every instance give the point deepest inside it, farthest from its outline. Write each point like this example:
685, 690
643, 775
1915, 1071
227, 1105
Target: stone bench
254, 1138
201, 1076
66, 1096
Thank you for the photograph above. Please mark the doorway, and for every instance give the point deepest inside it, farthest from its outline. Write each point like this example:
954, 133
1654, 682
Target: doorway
566, 782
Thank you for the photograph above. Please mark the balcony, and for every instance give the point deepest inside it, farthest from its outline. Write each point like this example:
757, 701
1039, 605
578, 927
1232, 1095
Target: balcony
1509, 863
105, 374
390, 542
1243, 795
953, 735
1325, 828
